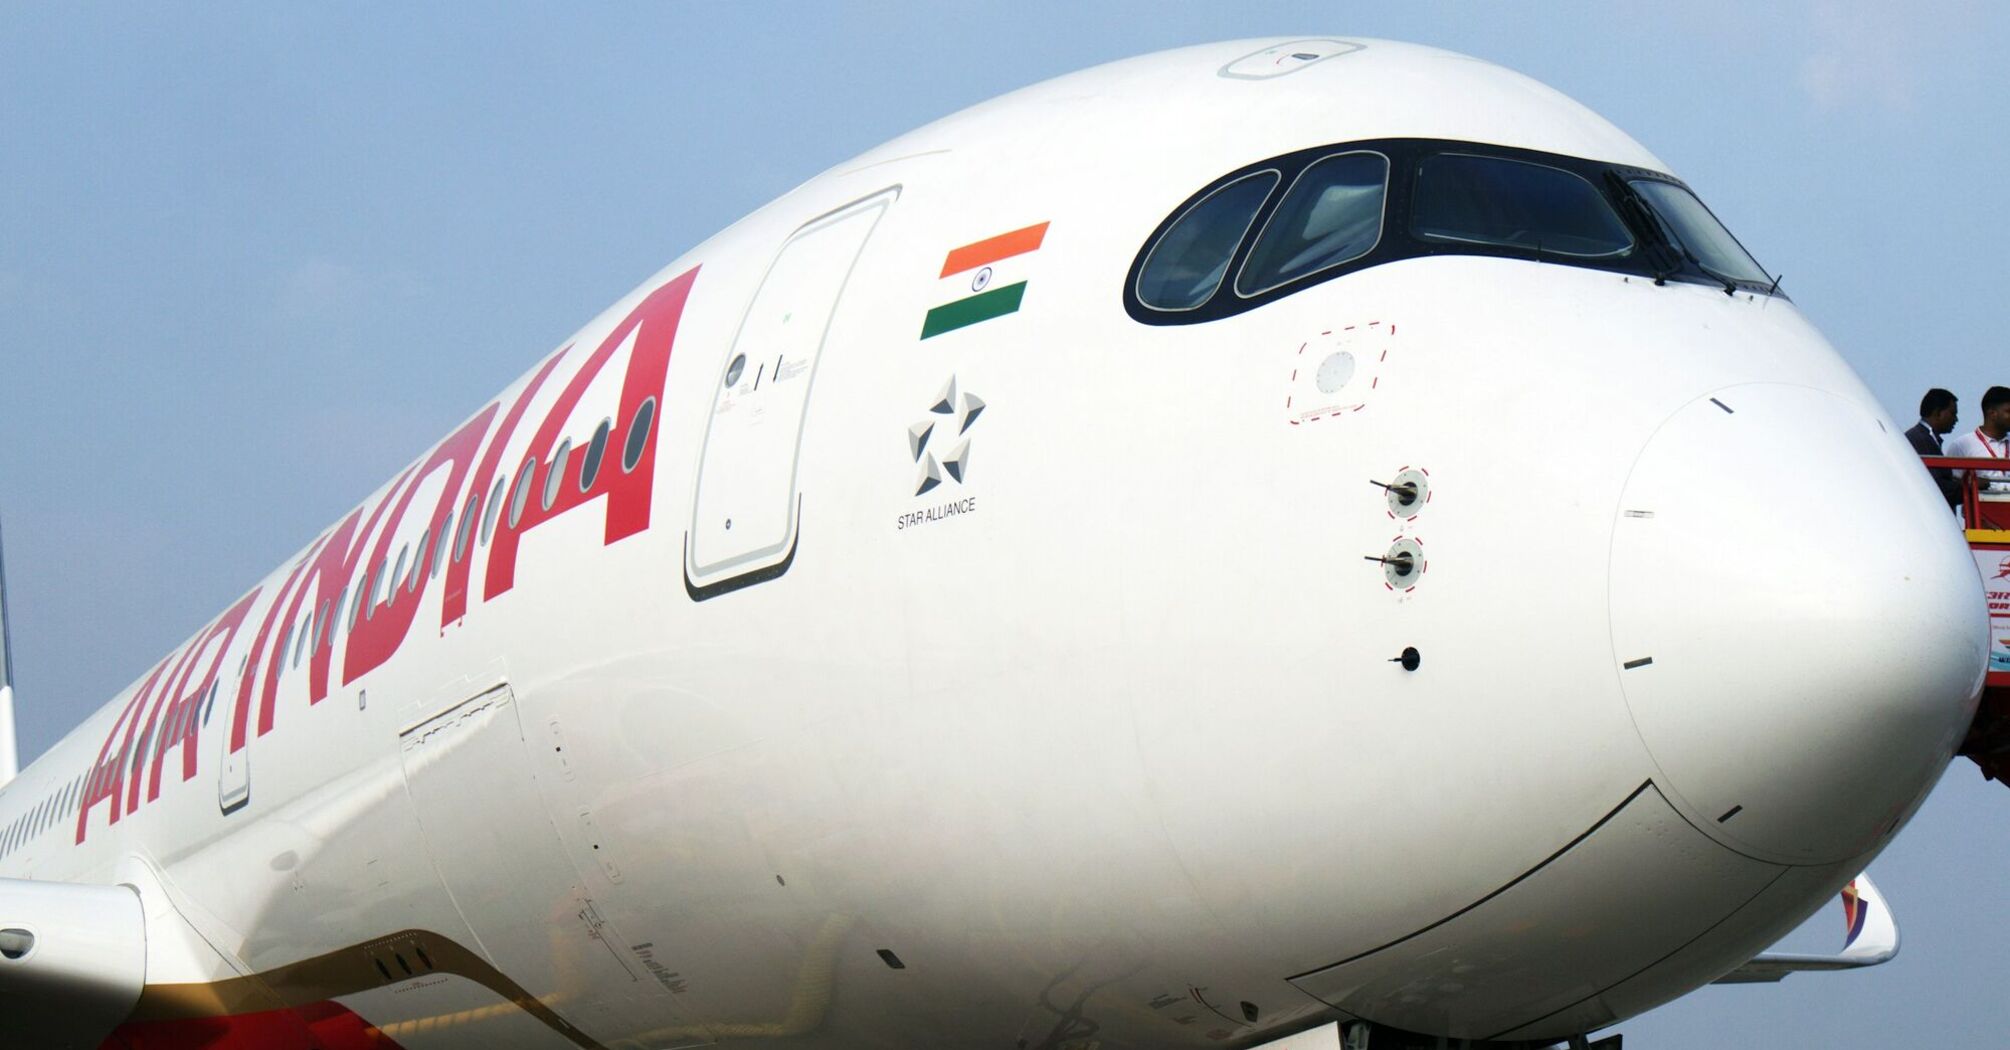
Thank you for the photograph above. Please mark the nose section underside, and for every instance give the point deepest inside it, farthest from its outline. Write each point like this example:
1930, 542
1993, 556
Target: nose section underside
1800, 629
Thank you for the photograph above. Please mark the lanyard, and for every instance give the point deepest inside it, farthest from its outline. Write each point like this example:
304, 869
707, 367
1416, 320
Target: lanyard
1991, 449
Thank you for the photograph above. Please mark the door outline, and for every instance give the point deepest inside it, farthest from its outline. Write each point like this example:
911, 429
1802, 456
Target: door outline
233, 768
744, 569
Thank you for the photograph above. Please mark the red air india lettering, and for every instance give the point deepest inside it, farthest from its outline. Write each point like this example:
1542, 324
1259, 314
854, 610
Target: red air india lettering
330, 578
116, 774
284, 608
378, 634
627, 488
316, 594
107, 777
454, 595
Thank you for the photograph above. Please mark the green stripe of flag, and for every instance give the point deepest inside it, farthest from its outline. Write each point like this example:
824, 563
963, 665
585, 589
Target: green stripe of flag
980, 307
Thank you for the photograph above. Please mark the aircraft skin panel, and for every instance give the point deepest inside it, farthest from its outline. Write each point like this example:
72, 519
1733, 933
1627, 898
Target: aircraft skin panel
1082, 711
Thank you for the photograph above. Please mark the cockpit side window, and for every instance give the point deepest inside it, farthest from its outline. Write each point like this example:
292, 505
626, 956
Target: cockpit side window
1467, 199
1331, 215
1694, 230
1189, 260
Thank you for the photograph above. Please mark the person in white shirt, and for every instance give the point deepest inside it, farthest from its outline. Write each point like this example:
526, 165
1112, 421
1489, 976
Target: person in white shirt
1991, 440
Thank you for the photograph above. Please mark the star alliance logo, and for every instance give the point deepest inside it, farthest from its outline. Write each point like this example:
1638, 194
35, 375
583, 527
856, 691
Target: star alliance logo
952, 417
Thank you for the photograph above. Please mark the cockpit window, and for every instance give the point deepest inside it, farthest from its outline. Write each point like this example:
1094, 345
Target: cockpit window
1691, 228
1191, 258
1331, 214
1467, 199
1297, 220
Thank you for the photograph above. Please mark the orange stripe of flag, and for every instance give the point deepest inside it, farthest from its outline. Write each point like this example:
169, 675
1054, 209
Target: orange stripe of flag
992, 249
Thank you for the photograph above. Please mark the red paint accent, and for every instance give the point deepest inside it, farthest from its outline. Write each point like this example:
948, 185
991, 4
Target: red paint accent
627, 491
222, 634
322, 579
316, 1026
107, 777
378, 634
289, 598
135, 762
107, 780
330, 574
454, 599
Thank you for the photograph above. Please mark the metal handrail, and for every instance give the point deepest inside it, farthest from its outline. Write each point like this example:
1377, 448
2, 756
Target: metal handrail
1971, 506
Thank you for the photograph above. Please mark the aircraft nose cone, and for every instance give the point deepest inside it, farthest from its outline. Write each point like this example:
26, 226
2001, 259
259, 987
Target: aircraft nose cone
1799, 625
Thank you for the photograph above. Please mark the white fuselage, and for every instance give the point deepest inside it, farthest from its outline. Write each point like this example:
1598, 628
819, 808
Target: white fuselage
1103, 735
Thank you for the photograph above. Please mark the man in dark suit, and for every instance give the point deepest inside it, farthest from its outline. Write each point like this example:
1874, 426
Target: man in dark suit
1937, 413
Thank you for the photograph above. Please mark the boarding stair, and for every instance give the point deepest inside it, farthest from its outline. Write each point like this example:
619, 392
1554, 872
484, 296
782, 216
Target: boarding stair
1985, 521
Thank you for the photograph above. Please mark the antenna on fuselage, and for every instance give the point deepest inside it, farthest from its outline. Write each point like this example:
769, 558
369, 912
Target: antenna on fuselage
10, 761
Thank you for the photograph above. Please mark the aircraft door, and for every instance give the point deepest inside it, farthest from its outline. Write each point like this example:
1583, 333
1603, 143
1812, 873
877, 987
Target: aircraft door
233, 779
744, 514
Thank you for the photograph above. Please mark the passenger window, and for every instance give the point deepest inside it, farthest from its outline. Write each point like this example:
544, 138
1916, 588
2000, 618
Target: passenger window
419, 550
1190, 259
495, 508
440, 548
638, 435
1331, 214
517, 499
554, 475
1691, 227
1467, 199
467, 526
589, 464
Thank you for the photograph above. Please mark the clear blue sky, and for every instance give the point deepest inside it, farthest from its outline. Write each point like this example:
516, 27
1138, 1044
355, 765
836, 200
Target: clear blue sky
252, 259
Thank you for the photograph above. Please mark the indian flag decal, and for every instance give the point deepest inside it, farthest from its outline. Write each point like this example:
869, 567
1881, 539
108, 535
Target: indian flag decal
990, 299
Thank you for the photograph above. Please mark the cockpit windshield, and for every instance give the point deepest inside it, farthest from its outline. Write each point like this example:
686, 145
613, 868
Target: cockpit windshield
1691, 228
1468, 199
1276, 227
1188, 263
1333, 213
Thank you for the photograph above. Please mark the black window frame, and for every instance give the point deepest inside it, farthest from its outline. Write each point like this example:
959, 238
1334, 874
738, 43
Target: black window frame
1650, 256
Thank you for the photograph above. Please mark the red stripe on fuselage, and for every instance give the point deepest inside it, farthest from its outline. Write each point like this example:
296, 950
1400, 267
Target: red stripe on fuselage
317, 1026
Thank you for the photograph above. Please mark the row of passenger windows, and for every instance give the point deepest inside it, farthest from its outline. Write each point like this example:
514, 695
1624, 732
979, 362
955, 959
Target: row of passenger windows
428, 556
1340, 206
317, 628
48, 813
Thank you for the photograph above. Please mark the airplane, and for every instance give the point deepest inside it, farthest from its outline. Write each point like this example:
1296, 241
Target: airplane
1261, 544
